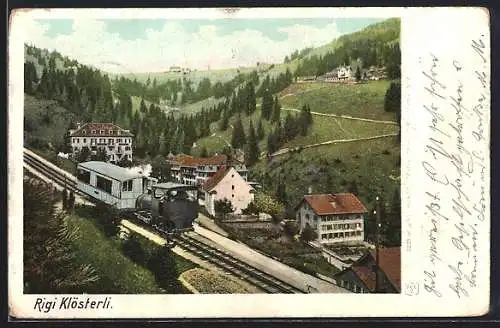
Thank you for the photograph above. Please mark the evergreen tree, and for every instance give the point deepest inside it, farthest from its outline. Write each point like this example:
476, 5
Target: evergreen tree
393, 235
64, 199
358, 74
276, 110
353, 187
49, 263
238, 139
281, 195
71, 201
181, 142
142, 107
260, 131
224, 123
267, 104
253, 151
251, 99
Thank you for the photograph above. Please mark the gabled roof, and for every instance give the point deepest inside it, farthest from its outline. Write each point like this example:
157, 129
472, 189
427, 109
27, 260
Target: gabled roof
187, 160
110, 170
389, 264
214, 160
216, 178
341, 203
86, 130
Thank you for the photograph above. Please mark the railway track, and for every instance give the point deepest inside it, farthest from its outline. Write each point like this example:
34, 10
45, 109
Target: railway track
51, 173
217, 257
229, 263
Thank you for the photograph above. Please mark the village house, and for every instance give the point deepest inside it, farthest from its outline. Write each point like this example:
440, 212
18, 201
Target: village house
108, 137
175, 69
227, 183
344, 73
360, 277
194, 171
376, 73
336, 218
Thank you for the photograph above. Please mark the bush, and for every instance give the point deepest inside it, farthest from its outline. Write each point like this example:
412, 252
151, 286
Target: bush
108, 217
164, 267
223, 207
308, 234
132, 248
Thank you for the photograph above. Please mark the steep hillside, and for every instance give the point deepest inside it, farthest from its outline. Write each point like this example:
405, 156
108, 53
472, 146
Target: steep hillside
365, 100
45, 122
368, 168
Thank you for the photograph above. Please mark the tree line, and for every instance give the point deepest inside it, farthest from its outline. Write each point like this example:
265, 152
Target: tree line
376, 45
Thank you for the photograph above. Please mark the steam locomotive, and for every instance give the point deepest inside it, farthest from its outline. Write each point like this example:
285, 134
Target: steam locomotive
169, 207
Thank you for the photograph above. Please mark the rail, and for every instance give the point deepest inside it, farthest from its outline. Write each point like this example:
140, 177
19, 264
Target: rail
229, 263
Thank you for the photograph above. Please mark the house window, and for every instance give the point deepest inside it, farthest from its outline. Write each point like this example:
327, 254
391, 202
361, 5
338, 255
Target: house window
84, 140
119, 140
93, 131
232, 195
101, 132
110, 132
232, 187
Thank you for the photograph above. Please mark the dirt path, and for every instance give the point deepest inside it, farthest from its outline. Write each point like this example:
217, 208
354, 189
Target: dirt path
347, 117
330, 142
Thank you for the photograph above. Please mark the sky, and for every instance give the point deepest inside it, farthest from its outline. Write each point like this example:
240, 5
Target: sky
153, 45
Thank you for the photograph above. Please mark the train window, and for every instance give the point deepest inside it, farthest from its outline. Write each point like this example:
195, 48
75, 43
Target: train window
104, 184
127, 185
84, 176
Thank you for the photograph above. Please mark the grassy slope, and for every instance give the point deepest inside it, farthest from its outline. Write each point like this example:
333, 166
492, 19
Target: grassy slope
215, 75
374, 165
105, 256
364, 100
48, 120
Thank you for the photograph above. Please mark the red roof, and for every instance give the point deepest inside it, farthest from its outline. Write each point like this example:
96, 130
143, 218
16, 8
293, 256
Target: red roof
215, 179
341, 203
214, 160
187, 160
389, 263
93, 129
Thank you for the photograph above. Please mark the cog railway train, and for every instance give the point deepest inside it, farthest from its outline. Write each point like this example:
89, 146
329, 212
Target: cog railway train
169, 207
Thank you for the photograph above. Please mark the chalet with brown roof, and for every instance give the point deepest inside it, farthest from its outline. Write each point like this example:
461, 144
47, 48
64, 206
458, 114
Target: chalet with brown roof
196, 170
108, 137
336, 218
227, 183
361, 276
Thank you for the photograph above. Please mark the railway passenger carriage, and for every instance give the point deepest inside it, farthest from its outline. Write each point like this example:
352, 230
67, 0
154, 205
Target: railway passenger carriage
112, 184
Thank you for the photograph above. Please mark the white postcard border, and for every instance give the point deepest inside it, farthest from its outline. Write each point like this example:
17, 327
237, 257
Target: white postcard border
445, 32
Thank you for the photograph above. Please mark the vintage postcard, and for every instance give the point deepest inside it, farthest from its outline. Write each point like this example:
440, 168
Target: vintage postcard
249, 162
